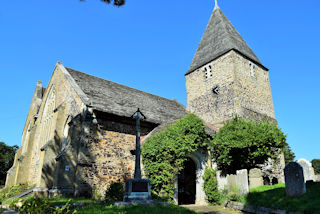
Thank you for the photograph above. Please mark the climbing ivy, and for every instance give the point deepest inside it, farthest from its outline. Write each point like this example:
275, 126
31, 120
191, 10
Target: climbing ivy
165, 152
242, 144
210, 186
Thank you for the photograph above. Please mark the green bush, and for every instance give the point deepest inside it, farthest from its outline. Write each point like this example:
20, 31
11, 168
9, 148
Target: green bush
165, 152
115, 192
242, 144
211, 186
12, 191
40, 206
316, 165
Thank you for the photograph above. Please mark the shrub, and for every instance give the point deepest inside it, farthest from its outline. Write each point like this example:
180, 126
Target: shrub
115, 192
14, 190
40, 205
316, 165
211, 186
242, 144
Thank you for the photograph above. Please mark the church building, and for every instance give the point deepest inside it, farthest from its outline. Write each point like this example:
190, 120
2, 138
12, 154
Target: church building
79, 135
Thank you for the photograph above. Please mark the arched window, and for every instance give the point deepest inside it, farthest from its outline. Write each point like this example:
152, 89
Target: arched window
65, 140
26, 139
47, 118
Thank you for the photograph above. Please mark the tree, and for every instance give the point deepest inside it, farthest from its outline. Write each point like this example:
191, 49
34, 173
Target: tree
117, 3
316, 165
6, 160
243, 144
289, 155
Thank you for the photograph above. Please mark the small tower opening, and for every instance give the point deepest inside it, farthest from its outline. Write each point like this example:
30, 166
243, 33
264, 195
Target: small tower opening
252, 68
208, 72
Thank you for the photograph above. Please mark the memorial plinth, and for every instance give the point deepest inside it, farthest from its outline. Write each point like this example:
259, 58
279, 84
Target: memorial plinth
137, 189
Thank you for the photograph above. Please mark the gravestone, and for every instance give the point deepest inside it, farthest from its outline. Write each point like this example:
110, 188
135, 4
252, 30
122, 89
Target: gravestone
242, 181
308, 170
255, 178
238, 182
232, 183
294, 179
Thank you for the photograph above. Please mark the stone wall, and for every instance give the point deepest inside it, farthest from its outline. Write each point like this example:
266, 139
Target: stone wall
32, 160
213, 109
253, 98
104, 156
20, 170
238, 91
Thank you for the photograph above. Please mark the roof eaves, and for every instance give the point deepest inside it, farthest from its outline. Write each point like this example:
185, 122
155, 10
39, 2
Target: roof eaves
223, 53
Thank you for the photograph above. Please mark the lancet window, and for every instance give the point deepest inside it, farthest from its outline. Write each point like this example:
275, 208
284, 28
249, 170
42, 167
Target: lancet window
47, 118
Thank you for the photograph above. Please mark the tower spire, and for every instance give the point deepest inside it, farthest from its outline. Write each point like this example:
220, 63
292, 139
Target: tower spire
216, 4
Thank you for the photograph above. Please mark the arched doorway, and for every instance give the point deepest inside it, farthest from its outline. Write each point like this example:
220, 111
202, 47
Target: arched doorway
187, 183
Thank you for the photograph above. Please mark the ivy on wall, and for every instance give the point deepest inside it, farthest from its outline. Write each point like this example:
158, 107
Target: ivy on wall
165, 152
210, 186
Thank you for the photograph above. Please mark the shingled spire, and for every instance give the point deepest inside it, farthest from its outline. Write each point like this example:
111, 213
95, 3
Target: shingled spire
219, 38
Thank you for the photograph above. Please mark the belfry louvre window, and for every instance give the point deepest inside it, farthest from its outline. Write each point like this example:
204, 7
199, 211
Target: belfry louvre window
47, 118
208, 71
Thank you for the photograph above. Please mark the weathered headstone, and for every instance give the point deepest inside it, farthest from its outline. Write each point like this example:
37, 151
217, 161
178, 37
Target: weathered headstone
295, 185
255, 178
232, 183
236, 183
242, 181
222, 180
308, 170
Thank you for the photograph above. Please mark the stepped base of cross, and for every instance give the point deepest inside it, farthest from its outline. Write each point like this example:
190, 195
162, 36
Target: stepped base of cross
138, 191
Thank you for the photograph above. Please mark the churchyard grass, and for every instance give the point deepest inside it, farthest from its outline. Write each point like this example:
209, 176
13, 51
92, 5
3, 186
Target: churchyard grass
275, 197
62, 200
136, 209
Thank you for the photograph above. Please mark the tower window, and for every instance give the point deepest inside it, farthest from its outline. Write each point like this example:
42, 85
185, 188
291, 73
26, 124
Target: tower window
208, 71
252, 68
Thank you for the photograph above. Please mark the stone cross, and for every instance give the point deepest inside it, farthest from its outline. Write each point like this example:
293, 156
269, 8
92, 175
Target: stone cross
138, 116
295, 185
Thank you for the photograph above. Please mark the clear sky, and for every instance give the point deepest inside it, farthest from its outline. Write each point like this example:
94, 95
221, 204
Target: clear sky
149, 45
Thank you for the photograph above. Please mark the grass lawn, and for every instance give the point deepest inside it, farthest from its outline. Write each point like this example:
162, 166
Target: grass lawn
137, 209
275, 197
63, 201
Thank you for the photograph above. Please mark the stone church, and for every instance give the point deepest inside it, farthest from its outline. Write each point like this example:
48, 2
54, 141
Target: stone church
79, 134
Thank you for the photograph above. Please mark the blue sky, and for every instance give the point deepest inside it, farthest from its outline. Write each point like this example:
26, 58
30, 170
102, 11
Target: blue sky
149, 45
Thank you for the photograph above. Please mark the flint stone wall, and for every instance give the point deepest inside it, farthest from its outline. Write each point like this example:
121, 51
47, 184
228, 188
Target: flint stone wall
105, 157
239, 92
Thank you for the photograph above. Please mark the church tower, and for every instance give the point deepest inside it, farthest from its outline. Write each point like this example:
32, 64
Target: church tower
226, 78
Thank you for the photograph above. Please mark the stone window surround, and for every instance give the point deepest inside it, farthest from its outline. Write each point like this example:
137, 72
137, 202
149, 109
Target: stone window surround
24, 144
207, 71
201, 162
